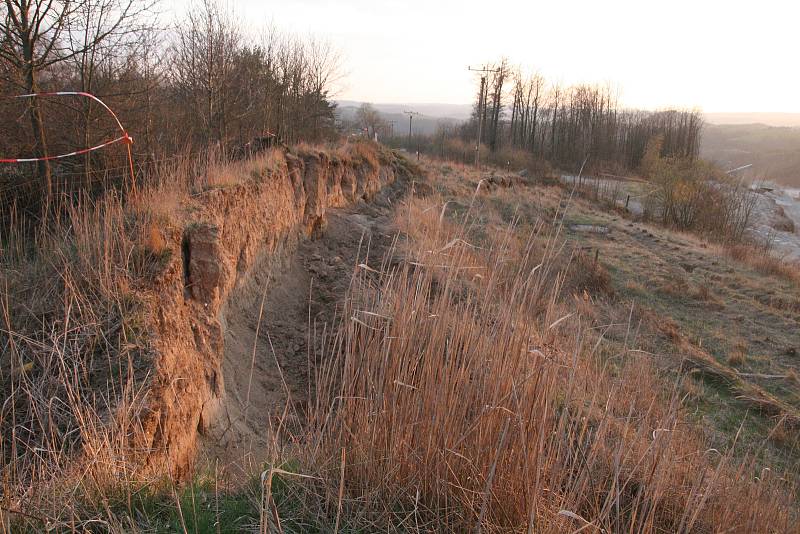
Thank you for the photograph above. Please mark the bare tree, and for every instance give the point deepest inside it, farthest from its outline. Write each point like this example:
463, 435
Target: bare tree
34, 39
527, 99
370, 119
101, 36
324, 70
495, 110
202, 67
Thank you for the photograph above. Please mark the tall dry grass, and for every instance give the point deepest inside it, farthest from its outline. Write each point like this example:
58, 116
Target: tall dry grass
765, 261
75, 353
461, 395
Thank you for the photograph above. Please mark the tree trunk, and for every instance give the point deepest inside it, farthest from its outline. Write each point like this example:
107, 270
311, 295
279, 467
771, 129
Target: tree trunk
37, 124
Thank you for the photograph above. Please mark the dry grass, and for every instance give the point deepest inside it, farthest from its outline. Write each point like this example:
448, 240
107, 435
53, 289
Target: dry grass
784, 434
738, 356
692, 388
793, 377
702, 292
764, 262
587, 274
461, 391
465, 397
73, 305
75, 351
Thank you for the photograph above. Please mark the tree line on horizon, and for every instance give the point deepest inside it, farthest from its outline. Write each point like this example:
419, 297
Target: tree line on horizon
568, 125
206, 82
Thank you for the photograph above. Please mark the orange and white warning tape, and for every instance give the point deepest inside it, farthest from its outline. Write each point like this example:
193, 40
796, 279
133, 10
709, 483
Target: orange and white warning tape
124, 138
61, 156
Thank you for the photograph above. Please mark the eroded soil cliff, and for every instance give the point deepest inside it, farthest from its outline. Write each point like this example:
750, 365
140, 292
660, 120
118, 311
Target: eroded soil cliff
212, 298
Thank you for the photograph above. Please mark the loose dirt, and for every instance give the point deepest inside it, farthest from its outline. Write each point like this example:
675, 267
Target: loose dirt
273, 326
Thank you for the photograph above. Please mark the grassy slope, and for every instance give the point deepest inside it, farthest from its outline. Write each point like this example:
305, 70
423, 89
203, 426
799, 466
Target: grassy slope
745, 320
687, 292
656, 295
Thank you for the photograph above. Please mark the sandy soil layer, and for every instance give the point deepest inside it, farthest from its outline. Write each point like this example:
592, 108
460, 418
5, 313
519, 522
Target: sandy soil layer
274, 327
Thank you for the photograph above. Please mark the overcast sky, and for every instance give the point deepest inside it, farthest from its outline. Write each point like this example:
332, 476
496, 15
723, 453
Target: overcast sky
710, 54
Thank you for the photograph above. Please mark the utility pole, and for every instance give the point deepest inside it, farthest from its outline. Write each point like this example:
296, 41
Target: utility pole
481, 103
410, 118
391, 126
411, 115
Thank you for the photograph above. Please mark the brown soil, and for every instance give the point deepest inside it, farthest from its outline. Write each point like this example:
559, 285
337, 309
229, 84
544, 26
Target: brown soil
222, 250
270, 323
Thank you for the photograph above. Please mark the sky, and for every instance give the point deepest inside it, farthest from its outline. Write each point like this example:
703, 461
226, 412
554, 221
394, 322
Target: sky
716, 56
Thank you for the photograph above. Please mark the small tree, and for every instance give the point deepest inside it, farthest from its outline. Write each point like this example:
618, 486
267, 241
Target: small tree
652, 155
370, 119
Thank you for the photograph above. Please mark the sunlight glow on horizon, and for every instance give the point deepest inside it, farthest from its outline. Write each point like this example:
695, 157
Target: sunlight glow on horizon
711, 55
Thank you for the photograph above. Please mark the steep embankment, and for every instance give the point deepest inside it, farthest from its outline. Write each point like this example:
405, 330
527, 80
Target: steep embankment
232, 234
278, 327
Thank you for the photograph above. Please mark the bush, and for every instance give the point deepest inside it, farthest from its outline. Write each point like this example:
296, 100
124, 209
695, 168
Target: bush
698, 196
586, 274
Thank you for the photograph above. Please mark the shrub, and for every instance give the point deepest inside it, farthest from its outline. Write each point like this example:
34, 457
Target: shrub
587, 274
696, 195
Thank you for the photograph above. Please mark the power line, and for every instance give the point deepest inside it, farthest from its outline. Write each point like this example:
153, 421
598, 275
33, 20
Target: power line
411, 115
481, 103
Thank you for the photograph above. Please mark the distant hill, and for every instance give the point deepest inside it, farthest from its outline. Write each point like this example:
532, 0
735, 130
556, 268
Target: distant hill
768, 119
426, 124
459, 112
773, 151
